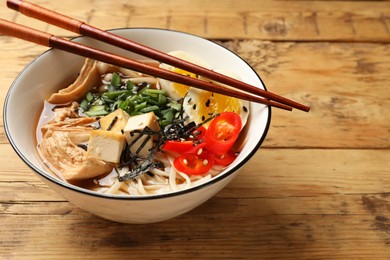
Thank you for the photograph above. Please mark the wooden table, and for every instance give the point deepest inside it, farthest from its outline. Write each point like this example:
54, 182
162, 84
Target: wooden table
319, 187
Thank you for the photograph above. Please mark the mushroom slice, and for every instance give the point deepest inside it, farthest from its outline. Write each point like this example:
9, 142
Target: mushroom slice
88, 78
68, 160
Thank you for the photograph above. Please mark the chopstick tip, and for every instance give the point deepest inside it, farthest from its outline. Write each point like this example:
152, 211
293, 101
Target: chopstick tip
306, 109
14, 4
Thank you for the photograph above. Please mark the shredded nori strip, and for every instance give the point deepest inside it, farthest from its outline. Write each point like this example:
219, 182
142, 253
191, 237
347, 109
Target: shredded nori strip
112, 123
83, 146
137, 165
177, 130
141, 168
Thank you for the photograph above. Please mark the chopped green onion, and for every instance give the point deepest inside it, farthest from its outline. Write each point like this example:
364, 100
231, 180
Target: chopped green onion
117, 104
150, 109
97, 108
168, 116
96, 113
153, 102
130, 85
97, 102
140, 106
164, 111
175, 106
162, 99
143, 89
135, 113
164, 122
115, 94
151, 95
84, 104
116, 80
125, 105
110, 88
156, 91
133, 98
89, 97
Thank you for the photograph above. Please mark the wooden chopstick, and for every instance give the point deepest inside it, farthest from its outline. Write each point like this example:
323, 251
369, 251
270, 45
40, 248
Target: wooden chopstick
80, 27
49, 40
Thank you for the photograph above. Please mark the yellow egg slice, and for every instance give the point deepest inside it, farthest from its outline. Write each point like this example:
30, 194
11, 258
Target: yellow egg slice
200, 105
173, 89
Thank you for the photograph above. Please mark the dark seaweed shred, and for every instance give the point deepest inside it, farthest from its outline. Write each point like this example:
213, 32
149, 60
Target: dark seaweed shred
112, 123
177, 130
137, 165
83, 146
142, 167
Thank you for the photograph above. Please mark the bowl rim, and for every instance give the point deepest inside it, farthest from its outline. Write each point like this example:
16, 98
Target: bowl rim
66, 185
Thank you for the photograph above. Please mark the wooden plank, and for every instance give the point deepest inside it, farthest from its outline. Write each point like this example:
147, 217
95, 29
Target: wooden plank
345, 85
79, 236
224, 203
332, 172
248, 225
27, 191
269, 20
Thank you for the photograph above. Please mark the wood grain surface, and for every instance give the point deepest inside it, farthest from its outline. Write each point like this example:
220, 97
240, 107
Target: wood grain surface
318, 188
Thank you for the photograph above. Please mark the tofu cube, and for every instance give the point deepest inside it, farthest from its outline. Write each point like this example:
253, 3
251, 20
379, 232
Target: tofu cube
106, 145
139, 123
120, 122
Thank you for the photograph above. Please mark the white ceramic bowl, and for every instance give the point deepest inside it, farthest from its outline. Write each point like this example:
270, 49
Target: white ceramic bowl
54, 69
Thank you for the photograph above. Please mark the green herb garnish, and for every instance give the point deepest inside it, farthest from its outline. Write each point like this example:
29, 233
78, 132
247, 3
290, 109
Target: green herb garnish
134, 99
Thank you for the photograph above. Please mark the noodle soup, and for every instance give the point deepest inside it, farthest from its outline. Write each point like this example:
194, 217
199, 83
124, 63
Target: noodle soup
54, 69
116, 131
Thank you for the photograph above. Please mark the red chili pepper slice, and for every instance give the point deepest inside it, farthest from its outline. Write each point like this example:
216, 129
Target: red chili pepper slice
193, 164
223, 131
225, 159
200, 133
185, 146
178, 146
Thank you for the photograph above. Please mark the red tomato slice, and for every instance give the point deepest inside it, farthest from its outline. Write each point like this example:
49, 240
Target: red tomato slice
193, 164
225, 159
223, 131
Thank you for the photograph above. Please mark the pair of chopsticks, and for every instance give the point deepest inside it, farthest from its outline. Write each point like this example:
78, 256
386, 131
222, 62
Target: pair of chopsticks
237, 88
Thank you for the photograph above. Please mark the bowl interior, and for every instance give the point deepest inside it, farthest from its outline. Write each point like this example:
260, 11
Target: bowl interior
56, 69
